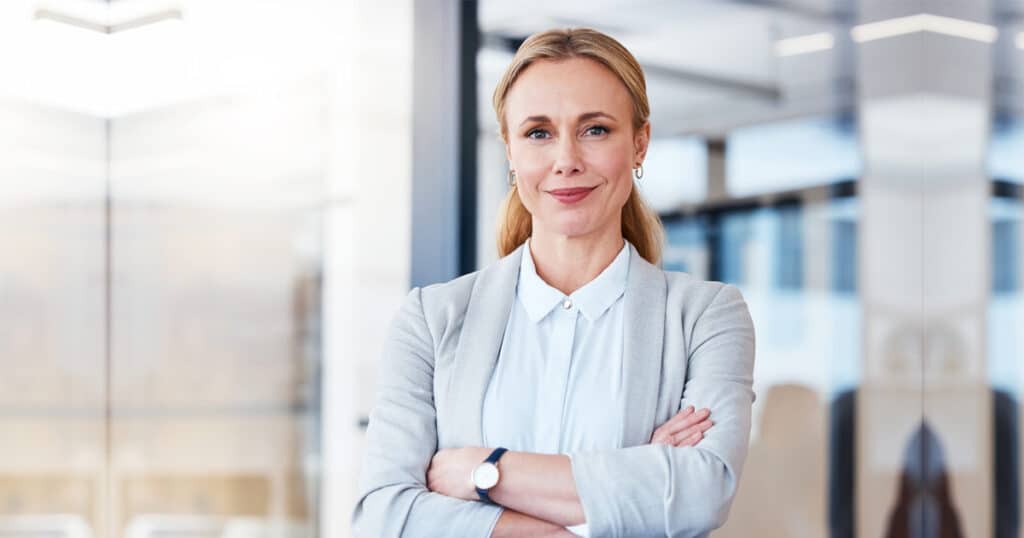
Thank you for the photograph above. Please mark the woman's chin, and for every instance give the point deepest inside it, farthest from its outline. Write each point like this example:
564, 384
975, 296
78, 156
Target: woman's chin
571, 228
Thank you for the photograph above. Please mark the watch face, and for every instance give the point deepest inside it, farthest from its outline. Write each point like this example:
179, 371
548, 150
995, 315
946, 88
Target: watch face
485, 476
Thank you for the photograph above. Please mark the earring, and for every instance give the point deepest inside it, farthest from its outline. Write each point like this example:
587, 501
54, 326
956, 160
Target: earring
511, 178
638, 172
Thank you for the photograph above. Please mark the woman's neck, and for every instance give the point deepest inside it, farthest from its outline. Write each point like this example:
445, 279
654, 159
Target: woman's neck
569, 263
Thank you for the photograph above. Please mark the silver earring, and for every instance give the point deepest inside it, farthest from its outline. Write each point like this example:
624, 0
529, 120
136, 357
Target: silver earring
511, 178
638, 172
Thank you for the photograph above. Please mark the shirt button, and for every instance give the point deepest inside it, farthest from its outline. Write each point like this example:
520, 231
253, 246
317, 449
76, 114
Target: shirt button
567, 304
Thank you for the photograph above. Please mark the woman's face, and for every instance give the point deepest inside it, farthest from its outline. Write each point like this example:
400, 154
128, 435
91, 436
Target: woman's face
572, 145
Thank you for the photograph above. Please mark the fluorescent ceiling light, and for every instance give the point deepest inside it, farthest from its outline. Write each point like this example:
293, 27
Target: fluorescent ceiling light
107, 23
45, 15
171, 15
960, 28
804, 44
925, 22
1020, 40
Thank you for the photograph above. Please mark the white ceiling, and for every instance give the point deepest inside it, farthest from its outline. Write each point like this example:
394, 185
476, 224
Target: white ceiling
218, 48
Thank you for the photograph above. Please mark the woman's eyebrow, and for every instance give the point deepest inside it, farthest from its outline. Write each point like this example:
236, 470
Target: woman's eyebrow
583, 117
591, 115
539, 119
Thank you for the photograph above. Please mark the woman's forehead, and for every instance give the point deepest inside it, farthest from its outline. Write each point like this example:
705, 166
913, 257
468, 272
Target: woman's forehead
568, 87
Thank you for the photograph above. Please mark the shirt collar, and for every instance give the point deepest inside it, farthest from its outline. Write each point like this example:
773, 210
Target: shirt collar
593, 299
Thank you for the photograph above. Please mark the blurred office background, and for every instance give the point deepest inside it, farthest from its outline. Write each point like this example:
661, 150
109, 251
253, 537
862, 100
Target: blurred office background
210, 210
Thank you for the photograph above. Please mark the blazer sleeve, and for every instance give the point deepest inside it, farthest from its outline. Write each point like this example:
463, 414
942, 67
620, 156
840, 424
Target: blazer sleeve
658, 490
401, 440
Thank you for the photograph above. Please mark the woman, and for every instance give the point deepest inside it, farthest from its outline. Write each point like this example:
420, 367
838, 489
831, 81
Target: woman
570, 349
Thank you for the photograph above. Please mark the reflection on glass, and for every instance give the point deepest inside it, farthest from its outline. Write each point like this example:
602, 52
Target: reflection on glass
215, 302
1005, 318
52, 311
775, 157
160, 319
795, 263
1005, 158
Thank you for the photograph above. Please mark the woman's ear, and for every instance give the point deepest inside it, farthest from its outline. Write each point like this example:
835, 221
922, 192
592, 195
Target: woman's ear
641, 140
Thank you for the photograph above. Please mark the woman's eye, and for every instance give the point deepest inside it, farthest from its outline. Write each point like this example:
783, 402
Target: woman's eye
537, 134
596, 130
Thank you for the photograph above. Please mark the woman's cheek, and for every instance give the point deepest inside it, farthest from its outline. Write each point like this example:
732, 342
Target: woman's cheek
528, 193
530, 178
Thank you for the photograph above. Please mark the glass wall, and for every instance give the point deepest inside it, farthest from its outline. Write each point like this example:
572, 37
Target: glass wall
794, 262
216, 264
164, 191
161, 282
1005, 318
53, 320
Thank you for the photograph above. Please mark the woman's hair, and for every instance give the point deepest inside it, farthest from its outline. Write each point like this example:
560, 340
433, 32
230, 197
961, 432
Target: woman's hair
640, 225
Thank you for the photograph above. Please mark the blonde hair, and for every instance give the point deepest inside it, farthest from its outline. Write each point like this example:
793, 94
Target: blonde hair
640, 224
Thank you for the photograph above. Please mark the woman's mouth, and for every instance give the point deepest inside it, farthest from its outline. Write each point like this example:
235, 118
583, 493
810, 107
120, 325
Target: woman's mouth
571, 196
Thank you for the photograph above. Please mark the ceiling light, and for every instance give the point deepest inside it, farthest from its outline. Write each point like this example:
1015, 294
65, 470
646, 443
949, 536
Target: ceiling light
45, 15
1020, 40
804, 44
108, 22
961, 28
925, 22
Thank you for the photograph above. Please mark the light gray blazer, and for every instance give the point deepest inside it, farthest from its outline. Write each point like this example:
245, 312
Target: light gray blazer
686, 342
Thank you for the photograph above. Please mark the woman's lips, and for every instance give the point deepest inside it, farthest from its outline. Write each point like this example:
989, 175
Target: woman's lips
571, 196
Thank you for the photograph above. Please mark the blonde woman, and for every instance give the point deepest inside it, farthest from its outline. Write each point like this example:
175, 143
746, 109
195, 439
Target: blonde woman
568, 388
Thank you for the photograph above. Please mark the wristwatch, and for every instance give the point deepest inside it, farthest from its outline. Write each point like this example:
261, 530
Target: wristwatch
486, 475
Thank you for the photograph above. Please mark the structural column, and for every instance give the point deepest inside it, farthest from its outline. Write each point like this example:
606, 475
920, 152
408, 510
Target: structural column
923, 271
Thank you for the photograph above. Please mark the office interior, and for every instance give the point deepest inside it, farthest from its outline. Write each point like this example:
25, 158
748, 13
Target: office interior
210, 210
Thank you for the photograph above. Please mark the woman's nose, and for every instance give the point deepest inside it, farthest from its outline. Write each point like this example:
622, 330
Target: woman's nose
568, 161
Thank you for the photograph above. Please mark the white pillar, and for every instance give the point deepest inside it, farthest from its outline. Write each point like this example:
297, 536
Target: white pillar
924, 260
367, 231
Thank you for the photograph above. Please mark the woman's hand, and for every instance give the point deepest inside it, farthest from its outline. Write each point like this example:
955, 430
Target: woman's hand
685, 429
451, 471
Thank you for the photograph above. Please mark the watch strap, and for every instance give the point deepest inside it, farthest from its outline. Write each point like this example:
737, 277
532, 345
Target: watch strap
495, 455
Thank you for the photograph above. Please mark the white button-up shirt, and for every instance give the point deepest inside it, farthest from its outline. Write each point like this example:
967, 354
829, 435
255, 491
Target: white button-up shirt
557, 386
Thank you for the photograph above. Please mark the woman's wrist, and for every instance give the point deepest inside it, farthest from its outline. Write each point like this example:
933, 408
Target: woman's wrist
540, 485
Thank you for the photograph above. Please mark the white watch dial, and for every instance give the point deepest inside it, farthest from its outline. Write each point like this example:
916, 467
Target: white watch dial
485, 476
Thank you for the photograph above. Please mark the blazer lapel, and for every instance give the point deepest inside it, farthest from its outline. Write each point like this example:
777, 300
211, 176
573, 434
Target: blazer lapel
483, 328
642, 348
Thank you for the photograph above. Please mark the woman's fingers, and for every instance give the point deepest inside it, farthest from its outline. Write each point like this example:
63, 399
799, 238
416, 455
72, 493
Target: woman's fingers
692, 435
663, 433
691, 440
681, 415
684, 421
673, 424
677, 425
